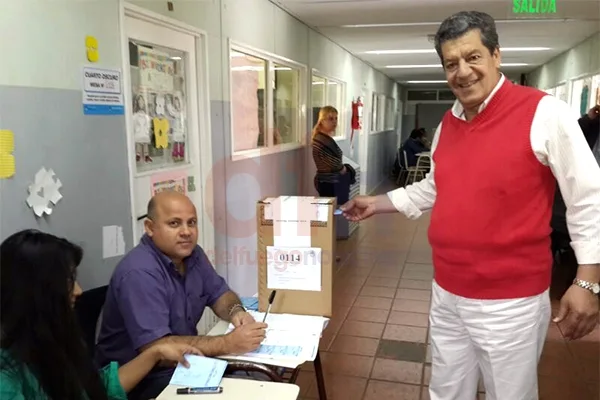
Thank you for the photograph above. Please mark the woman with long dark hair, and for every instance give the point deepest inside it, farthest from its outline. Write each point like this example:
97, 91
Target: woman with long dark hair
42, 351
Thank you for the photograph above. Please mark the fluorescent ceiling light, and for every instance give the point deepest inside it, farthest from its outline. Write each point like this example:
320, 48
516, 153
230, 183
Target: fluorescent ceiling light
524, 48
432, 51
413, 66
417, 51
425, 82
175, 58
254, 68
439, 66
499, 21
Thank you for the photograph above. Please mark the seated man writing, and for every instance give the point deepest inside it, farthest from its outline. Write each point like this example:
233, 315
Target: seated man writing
158, 293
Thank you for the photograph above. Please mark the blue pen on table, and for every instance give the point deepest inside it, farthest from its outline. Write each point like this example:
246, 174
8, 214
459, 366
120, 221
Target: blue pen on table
200, 390
271, 298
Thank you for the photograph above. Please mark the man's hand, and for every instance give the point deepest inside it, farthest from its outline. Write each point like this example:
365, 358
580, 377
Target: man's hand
169, 354
359, 208
594, 112
578, 313
242, 318
246, 337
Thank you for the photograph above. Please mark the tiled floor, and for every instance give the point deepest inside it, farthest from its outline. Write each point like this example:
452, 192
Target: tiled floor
375, 347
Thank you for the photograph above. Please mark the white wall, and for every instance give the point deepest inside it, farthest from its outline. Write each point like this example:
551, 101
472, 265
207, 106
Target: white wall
582, 59
44, 41
262, 25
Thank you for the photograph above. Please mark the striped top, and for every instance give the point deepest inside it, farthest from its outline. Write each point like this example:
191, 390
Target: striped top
328, 158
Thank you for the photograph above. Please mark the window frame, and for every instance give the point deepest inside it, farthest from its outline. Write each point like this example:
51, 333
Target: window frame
341, 133
378, 113
270, 59
390, 120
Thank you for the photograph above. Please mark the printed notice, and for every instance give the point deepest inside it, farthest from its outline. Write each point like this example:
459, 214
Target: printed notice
113, 242
102, 92
294, 268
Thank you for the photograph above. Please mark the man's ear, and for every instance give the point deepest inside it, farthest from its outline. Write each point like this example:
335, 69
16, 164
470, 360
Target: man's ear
149, 227
497, 57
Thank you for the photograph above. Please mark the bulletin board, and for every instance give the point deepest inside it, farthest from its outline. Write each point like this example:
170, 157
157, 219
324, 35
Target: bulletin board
159, 107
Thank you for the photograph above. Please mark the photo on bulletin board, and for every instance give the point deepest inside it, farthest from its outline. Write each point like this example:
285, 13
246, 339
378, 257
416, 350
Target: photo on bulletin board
175, 181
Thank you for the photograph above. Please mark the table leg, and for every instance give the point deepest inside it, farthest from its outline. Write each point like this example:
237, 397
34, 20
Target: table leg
319, 376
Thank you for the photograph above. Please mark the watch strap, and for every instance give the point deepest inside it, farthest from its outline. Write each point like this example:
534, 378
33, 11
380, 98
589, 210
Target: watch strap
236, 307
592, 287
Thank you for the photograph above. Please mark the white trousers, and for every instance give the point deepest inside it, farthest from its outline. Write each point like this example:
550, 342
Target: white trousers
501, 339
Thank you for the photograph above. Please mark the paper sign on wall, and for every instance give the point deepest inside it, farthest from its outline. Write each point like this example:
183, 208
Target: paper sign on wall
102, 92
7, 160
43, 192
292, 268
113, 243
168, 181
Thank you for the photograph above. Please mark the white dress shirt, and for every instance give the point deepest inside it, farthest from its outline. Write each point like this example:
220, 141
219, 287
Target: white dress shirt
558, 142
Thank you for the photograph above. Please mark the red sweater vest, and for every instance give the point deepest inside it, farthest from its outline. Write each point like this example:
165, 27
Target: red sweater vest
490, 224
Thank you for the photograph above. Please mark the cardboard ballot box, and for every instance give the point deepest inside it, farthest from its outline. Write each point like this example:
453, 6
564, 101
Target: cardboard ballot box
296, 254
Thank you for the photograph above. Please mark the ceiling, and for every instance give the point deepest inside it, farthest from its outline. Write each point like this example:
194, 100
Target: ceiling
356, 25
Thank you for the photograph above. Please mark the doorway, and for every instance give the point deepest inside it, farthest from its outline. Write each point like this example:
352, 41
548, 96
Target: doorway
168, 126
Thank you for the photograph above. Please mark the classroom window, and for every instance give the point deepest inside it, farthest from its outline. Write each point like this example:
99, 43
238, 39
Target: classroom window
248, 77
328, 92
374, 114
286, 104
378, 113
267, 102
562, 92
390, 113
159, 107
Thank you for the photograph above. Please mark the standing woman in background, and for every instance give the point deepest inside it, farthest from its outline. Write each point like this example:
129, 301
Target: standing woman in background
328, 156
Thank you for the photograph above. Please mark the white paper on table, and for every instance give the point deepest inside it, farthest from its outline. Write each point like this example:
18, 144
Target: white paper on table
288, 336
202, 372
113, 242
293, 268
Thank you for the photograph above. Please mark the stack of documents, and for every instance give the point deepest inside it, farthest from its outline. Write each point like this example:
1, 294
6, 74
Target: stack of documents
289, 336
203, 372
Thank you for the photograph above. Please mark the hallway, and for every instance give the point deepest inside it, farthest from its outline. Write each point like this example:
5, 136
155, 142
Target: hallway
375, 347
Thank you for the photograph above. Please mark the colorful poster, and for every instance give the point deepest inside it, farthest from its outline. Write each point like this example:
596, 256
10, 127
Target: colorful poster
165, 181
156, 70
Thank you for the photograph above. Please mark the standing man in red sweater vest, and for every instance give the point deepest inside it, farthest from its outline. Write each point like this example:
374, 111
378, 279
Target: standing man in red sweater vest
490, 221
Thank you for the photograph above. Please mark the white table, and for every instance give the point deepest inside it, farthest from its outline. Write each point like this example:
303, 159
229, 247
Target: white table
238, 389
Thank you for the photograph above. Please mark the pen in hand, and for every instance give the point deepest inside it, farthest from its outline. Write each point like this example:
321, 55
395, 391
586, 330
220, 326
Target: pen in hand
271, 298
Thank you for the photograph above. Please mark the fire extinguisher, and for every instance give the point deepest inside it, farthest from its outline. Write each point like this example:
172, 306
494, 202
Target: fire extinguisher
357, 110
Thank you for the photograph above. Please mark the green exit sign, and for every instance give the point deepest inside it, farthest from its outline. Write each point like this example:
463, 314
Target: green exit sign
534, 6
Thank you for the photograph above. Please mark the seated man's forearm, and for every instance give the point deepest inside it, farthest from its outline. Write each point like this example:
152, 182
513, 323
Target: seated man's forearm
210, 346
223, 307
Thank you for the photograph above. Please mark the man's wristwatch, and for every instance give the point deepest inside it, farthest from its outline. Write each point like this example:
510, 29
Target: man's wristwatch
592, 287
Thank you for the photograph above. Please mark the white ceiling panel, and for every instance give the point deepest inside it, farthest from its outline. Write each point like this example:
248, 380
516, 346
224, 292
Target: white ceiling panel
343, 21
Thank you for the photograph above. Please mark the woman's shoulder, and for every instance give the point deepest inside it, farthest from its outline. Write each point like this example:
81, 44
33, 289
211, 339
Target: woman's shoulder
12, 378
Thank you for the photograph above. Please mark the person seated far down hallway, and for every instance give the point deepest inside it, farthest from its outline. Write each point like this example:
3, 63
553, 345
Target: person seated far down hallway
42, 351
159, 290
415, 144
